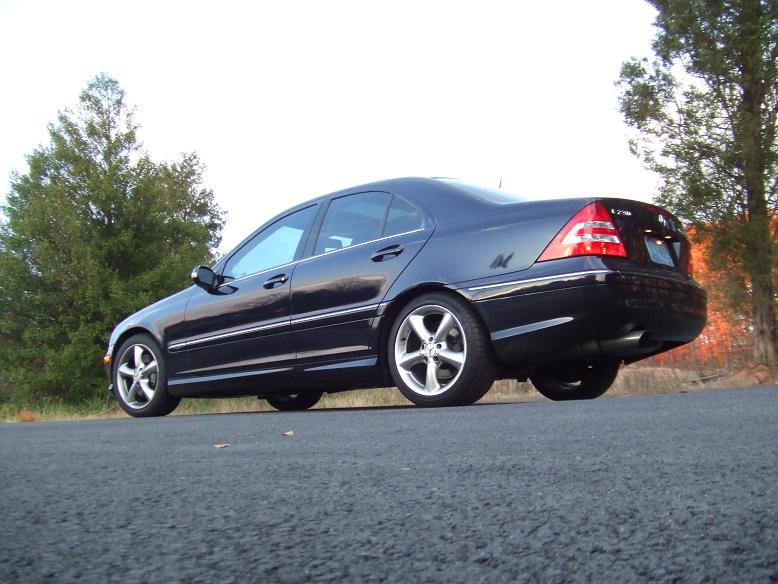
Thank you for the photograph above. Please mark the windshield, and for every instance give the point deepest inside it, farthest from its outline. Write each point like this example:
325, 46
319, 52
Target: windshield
485, 193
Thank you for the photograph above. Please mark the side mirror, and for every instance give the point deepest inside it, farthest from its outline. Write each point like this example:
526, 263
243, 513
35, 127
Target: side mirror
204, 277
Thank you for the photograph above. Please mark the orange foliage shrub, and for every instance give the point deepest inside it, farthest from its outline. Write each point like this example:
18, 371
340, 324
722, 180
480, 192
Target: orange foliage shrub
725, 342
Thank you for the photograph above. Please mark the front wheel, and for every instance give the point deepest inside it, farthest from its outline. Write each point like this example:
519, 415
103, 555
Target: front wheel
294, 402
580, 382
439, 353
140, 379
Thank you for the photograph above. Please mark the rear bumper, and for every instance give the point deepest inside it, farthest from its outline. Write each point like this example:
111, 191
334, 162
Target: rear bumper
580, 314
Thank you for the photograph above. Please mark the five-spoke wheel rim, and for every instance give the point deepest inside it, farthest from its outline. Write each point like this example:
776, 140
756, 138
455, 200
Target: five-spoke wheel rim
137, 376
430, 350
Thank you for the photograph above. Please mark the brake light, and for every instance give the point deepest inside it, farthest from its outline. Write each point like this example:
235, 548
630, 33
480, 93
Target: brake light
590, 232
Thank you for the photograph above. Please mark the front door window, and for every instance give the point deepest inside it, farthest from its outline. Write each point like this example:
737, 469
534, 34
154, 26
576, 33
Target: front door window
276, 245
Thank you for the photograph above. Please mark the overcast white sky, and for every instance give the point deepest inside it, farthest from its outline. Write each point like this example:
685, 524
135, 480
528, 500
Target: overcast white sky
285, 100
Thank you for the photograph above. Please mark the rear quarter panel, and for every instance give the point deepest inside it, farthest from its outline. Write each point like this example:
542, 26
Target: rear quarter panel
498, 241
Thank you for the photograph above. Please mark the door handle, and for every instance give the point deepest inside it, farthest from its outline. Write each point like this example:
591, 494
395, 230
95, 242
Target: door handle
388, 252
276, 281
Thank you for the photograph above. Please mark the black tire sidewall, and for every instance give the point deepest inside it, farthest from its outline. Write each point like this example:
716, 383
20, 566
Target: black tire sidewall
597, 383
303, 400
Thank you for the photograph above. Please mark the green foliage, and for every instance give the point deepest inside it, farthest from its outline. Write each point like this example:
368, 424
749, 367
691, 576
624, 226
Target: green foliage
704, 112
93, 231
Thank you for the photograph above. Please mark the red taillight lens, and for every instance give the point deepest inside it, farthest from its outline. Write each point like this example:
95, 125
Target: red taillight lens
590, 232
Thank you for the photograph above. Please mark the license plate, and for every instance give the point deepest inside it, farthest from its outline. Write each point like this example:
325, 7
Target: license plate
659, 252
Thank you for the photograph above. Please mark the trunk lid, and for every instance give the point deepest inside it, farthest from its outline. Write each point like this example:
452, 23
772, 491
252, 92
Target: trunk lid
652, 236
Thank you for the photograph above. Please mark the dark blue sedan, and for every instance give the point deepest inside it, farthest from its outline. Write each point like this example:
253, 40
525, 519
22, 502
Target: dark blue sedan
433, 285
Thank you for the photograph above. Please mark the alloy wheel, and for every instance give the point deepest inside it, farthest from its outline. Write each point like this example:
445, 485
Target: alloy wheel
430, 350
138, 376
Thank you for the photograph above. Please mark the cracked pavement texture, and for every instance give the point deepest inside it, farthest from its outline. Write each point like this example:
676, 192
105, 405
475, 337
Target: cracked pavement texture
668, 488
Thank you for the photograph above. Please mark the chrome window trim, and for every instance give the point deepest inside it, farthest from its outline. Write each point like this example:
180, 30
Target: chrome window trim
361, 244
227, 258
273, 269
541, 279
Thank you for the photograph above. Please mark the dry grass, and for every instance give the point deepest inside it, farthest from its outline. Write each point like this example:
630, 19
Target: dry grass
639, 380
189, 407
52, 411
632, 380
502, 391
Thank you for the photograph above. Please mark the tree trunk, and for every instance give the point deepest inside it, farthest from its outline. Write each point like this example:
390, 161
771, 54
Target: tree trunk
750, 127
764, 326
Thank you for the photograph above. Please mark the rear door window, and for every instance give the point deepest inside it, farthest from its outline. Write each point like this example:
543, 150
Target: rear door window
352, 220
402, 218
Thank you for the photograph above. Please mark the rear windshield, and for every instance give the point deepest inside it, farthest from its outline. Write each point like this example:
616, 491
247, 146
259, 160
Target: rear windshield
484, 193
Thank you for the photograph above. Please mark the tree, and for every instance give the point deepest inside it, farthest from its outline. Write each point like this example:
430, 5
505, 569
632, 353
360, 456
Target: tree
93, 231
704, 112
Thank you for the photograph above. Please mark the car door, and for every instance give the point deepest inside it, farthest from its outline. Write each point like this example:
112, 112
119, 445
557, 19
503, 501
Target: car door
364, 242
238, 335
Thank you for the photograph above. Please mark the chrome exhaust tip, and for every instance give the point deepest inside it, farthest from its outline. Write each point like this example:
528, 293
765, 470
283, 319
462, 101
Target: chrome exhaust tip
633, 343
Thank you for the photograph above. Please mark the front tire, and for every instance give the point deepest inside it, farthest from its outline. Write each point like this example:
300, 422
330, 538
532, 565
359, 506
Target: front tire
140, 379
439, 353
582, 382
294, 402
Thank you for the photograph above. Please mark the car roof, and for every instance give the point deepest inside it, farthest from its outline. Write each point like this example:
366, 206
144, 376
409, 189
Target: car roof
436, 193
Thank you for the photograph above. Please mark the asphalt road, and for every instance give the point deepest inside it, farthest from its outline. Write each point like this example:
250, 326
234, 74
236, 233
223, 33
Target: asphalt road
670, 488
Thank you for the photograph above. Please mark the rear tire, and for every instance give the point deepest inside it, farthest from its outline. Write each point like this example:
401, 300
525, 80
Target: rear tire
439, 353
294, 402
585, 382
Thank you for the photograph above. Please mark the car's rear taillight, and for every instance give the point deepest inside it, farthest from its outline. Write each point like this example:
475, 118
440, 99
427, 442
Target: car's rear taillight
590, 232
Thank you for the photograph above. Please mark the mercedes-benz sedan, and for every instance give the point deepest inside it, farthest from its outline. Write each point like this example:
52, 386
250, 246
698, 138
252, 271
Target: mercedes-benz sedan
433, 285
